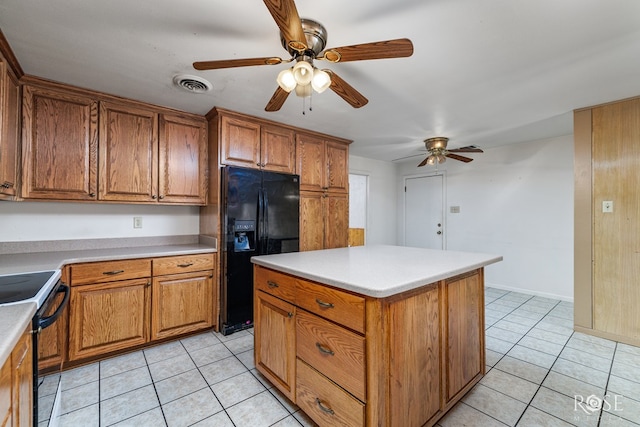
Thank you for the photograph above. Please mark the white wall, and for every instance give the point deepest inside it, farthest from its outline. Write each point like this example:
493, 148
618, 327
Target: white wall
29, 221
381, 203
515, 201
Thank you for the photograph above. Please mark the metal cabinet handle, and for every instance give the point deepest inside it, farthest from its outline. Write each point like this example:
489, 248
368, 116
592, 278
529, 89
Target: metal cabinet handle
161, 197
92, 194
6, 184
272, 284
189, 264
290, 315
112, 273
324, 349
323, 407
324, 304
153, 196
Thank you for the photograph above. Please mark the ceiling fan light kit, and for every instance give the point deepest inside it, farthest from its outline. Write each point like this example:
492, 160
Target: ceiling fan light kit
438, 153
305, 40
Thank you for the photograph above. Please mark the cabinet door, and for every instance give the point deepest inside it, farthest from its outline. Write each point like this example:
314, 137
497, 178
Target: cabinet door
108, 317
277, 149
337, 158
275, 342
128, 153
22, 360
240, 143
59, 150
5, 393
9, 120
181, 303
311, 221
311, 165
336, 220
52, 341
465, 351
183, 160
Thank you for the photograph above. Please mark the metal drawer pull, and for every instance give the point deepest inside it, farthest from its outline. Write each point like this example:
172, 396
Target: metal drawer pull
324, 349
189, 264
324, 408
272, 284
324, 304
112, 273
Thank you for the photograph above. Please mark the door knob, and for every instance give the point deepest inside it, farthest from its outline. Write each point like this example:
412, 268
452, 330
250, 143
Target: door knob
439, 232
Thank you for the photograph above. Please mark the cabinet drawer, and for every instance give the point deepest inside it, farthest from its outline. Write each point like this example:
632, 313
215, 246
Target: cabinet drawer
341, 307
326, 403
277, 284
335, 351
99, 272
182, 264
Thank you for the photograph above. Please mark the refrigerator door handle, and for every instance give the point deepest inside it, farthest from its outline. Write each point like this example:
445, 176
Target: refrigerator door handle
265, 219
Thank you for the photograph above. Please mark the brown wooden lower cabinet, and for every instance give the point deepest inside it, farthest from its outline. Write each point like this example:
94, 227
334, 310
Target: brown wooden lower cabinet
107, 317
354, 360
16, 385
181, 303
118, 305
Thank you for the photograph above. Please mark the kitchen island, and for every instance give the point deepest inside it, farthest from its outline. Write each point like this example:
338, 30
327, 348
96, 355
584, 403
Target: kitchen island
371, 335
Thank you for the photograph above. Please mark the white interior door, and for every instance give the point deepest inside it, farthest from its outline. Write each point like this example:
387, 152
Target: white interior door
424, 226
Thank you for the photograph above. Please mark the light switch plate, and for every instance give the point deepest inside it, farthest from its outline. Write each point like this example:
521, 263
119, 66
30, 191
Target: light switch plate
607, 206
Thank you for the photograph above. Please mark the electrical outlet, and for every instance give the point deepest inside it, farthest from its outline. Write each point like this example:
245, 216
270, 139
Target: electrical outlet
607, 206
137, 222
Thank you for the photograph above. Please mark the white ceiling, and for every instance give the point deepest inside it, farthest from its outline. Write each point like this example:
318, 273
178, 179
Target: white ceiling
483, 72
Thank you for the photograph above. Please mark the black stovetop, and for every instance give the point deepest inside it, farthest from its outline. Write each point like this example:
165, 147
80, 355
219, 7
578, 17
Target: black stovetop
22, 287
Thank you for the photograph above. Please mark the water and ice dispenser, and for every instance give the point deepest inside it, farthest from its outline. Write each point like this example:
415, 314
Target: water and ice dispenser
244, 236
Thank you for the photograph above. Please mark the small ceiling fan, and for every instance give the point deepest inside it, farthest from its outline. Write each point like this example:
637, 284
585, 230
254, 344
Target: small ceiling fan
305, 41
437, 148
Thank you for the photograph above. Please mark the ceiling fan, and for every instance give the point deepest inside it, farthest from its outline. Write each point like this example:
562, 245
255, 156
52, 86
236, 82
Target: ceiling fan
437, 148
305, 41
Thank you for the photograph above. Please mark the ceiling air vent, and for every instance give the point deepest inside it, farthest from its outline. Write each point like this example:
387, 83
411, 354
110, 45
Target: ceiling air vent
192, 84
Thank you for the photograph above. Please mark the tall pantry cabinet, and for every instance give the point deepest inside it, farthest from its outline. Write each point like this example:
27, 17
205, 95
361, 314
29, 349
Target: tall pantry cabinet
607, 231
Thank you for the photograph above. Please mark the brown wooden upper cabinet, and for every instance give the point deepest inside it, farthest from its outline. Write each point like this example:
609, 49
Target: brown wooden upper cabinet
258, 146
322, 164
128, 153
59, 145
146, 154
9, 132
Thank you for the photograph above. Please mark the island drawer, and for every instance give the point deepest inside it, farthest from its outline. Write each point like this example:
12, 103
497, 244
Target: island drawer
182, 264
277, 284
341, 307
334, 351
109, 271
326, 403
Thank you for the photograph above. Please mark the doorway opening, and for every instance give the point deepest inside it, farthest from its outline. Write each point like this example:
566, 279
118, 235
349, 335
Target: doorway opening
358, 194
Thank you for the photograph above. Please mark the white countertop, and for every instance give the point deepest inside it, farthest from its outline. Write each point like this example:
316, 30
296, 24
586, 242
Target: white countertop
40, 261
378, 271
14, 320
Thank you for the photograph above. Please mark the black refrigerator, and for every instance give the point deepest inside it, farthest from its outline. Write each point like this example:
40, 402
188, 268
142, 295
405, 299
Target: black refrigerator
261, 216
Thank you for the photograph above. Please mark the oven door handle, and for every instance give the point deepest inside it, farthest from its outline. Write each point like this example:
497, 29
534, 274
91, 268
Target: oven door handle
45, 322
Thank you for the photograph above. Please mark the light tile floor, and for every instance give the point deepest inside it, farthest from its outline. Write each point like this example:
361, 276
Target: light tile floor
539, 373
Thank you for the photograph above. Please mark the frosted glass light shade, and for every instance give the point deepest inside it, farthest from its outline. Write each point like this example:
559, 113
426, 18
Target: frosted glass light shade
321, 80
303, 73
303, 91
286, 80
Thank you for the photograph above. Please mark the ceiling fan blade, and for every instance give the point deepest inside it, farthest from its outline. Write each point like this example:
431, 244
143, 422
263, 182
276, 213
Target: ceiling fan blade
277, 100
285, 14
424, 162
231, 63
346, 91
456, 157
398, 48
469, 149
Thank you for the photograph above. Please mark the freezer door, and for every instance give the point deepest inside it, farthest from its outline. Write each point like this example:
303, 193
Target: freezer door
241, 191
281, 221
